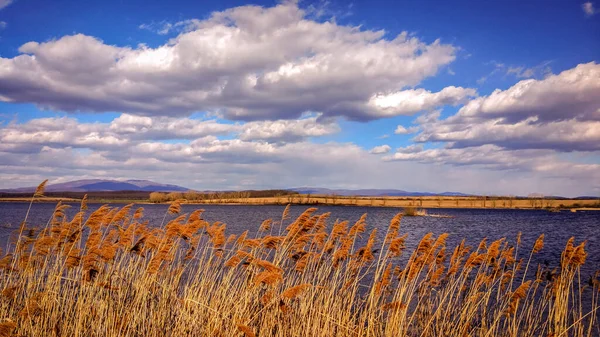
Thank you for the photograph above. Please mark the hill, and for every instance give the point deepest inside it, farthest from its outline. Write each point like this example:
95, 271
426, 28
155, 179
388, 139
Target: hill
104, 185
372, 192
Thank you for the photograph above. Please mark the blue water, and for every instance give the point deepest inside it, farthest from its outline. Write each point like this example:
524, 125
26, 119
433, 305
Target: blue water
471, 224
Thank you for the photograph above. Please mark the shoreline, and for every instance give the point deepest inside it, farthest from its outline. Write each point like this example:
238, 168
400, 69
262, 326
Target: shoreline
362, 202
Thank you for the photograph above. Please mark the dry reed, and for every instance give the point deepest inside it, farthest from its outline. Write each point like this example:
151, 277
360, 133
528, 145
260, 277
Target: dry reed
110, 274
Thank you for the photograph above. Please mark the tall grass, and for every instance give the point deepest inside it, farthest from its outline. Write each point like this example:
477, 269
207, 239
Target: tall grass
109, 273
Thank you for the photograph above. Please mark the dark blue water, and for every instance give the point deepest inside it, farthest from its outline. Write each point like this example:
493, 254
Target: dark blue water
471, 224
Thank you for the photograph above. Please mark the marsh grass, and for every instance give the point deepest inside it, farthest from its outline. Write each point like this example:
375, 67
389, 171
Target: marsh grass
413, 211
109, 273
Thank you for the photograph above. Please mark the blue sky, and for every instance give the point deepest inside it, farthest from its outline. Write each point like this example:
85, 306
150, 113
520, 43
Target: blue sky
479, 91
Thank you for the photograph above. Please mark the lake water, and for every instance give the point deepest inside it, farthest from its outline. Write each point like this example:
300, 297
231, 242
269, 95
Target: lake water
471, 224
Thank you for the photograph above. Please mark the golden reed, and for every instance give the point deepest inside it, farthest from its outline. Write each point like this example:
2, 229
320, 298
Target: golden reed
110, 273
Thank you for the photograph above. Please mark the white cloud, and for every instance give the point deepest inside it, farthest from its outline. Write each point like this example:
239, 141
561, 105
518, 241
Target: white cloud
401, 130
129, 147
409, 102
233, 164
130, 130
588, 9
4, 3
245, 63
564, 135
3, 25
570, 94
548, 127
160, 128
287, 130
380, 149
496, 158
287, 76
560, 113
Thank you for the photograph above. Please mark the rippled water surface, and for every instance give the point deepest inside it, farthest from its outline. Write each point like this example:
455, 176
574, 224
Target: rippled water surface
470, 224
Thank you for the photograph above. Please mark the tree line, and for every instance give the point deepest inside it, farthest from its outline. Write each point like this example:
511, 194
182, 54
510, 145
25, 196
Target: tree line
222, 196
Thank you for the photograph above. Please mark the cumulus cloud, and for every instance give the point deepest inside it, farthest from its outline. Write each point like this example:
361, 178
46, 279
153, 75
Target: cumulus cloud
130, 147
161, 128
570, 94
564, 135
130, 130
409, 102
497, 158
561, 113
214, 164
490, 156
287, 130
32, 136
246, 63
528, 127
401, 130
380, 149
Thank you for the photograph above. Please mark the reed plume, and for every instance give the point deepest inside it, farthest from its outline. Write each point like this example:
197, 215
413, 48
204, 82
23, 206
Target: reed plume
83, 207
39, 191
7, 327
295, 291
117, 275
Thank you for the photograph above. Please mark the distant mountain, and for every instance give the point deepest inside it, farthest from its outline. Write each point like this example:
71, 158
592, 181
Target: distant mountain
97, 185
371, 192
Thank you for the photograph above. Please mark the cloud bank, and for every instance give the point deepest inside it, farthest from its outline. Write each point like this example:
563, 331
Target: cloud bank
245, 63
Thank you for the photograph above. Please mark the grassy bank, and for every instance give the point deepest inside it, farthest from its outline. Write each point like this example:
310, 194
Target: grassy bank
420, 202
109, 273
316, 200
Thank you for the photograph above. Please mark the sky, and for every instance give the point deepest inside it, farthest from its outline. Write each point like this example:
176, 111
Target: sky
485, 97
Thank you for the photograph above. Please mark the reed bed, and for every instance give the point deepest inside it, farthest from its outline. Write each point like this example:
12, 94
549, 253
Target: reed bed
109, 273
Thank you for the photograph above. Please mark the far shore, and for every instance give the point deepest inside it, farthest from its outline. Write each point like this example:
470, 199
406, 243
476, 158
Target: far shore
432, 202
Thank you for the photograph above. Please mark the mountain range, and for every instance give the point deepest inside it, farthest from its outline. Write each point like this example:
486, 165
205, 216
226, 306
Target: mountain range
371, 192
98, 185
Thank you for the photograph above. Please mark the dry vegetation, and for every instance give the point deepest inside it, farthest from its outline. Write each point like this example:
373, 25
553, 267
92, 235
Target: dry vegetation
109, 273
508, 202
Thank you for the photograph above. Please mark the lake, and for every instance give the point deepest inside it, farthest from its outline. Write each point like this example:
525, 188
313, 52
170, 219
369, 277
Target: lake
471, 224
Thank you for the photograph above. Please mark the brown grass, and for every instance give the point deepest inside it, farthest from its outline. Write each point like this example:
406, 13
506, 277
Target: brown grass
418, 202
111, 274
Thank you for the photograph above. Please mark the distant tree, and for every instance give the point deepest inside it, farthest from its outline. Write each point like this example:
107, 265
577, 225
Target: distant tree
172, 196
191, 195
157, 197
534, 198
